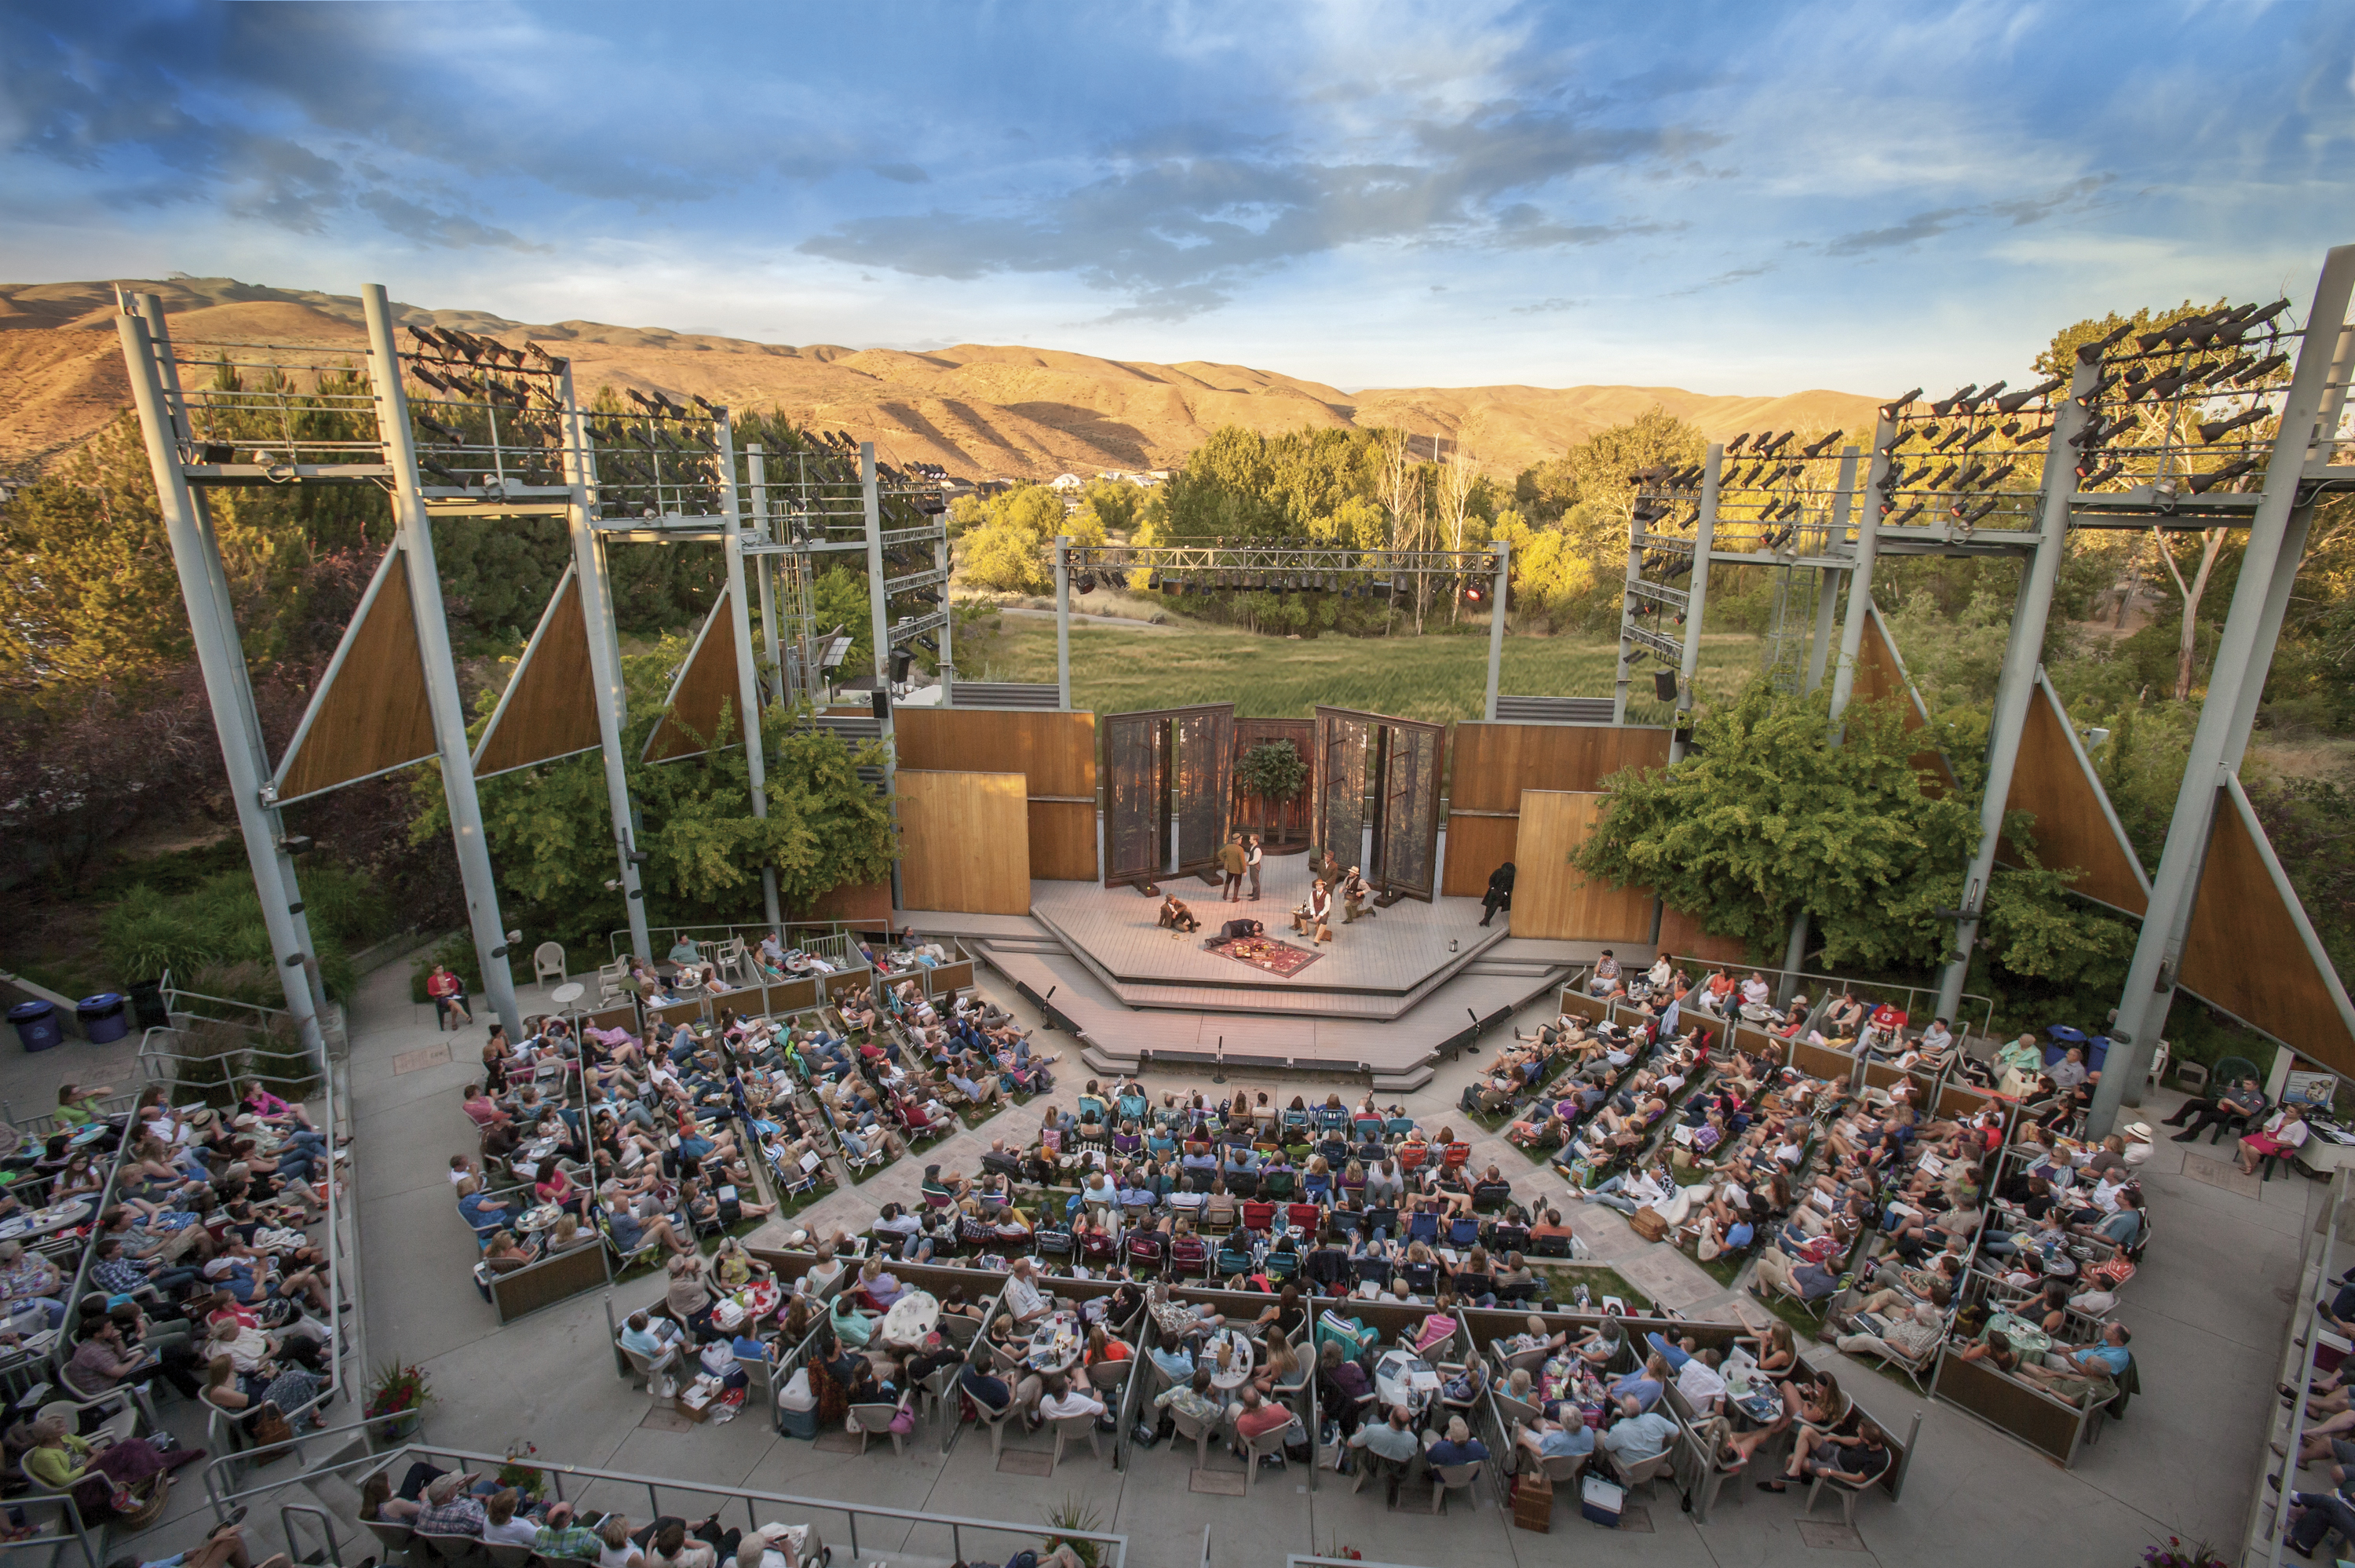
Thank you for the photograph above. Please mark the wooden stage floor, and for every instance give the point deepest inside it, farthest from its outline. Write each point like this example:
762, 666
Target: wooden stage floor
1385, 998
1391, 950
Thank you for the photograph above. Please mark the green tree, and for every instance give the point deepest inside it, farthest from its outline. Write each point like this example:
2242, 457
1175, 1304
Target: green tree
1598, 472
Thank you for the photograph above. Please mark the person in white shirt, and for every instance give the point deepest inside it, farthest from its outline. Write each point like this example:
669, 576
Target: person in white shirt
1756, 991
1699, 1381
1023, 1298
1062, 1400
502, 1528
781, 1546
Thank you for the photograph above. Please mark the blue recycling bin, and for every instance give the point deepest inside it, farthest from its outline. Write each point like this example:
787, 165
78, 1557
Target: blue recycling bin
38, 1028
2097, 1050
2058, 1038
104, 1017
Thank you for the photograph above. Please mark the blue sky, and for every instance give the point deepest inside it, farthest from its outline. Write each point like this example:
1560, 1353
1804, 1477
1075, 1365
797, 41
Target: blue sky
1728, 197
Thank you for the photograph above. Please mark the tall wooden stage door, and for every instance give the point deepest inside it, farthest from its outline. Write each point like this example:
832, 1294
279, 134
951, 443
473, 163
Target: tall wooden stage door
1395, 761
1170, 767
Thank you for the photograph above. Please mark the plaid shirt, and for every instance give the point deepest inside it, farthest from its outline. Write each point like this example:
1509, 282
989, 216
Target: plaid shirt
462, 1515
576, 1541
120, 1275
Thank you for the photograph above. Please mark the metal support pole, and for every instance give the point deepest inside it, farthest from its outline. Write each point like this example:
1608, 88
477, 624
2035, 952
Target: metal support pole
879, 613
223, 609
748, 682
222, 662
1794, 956
1627, 603
878, 618
604, 657
2223, 732
415, 532
1496, 624
941, 560
1063, 622
1829, 585
1860, 577
764, 567
2023, 655
1695, 602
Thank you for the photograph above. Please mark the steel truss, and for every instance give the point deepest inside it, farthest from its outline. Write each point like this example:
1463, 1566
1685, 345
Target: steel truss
2232, 420
1219, 566
451, 425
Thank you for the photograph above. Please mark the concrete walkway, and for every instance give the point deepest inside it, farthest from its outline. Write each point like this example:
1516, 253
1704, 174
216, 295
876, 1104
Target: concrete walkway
2207, 1312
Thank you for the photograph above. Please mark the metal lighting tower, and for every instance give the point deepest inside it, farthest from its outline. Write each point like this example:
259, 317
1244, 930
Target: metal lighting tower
612, 698
2243, 652
221, 659
414, 530
2024, 653
748, 672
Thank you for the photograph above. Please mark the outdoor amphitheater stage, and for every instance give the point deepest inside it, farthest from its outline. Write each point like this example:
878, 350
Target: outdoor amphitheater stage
1390, 995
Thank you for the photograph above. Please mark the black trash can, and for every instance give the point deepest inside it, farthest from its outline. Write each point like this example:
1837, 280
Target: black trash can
38, 1028
147, 1004
104, 1018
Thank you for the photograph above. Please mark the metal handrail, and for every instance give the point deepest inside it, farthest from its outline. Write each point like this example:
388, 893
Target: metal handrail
341, 1219
1864, 989
618, 942
1115, 1545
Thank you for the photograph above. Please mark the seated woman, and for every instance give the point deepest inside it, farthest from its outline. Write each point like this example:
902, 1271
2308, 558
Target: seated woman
506, 1254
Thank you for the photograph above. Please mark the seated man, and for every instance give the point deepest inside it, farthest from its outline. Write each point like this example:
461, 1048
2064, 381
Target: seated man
1852, 1459
1458, 1447
1909, 1339
1557, 1435
2238, 1101
1175, 917
1387, 1448
1315, 915
1605, 979
2091, 1372
1638, 1435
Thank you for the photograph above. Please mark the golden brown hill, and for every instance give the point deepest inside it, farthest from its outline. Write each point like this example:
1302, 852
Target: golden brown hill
979, 410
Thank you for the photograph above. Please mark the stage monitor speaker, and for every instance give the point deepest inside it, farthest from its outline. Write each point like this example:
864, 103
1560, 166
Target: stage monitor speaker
882, 706
1664, 685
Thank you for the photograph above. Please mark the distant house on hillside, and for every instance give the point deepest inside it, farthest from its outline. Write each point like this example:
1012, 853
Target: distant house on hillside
1069, 482
1143, 480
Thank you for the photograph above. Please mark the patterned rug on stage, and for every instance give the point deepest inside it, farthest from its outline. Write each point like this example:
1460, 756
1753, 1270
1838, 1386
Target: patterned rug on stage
1279, 958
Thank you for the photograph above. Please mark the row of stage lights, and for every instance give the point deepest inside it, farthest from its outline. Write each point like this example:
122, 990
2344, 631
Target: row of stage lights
1345, 584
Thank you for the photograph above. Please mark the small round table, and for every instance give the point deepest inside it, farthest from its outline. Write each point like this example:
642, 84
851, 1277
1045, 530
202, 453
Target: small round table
45, 1222
1239, 1362
910, 1319
568, 994
1055, 1343
539, 1219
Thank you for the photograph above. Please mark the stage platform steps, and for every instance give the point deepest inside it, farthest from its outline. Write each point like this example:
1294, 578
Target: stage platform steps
1385, 999
1306, 994
1397, 1055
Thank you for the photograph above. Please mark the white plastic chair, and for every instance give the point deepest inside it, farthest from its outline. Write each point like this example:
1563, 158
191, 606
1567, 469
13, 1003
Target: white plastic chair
546, 959
995, 1421
1069, 1429
867, 1420
1268, 1442
1447, 1479
1200, 1431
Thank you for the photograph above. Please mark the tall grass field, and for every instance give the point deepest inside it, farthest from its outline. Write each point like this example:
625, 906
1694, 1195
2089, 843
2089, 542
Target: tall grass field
1434, 678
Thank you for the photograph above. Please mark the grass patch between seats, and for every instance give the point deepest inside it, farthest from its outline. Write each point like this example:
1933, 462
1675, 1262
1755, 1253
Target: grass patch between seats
1600, 1280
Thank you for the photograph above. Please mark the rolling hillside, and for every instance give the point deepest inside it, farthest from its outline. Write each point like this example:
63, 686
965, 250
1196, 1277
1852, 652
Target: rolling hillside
981, 411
